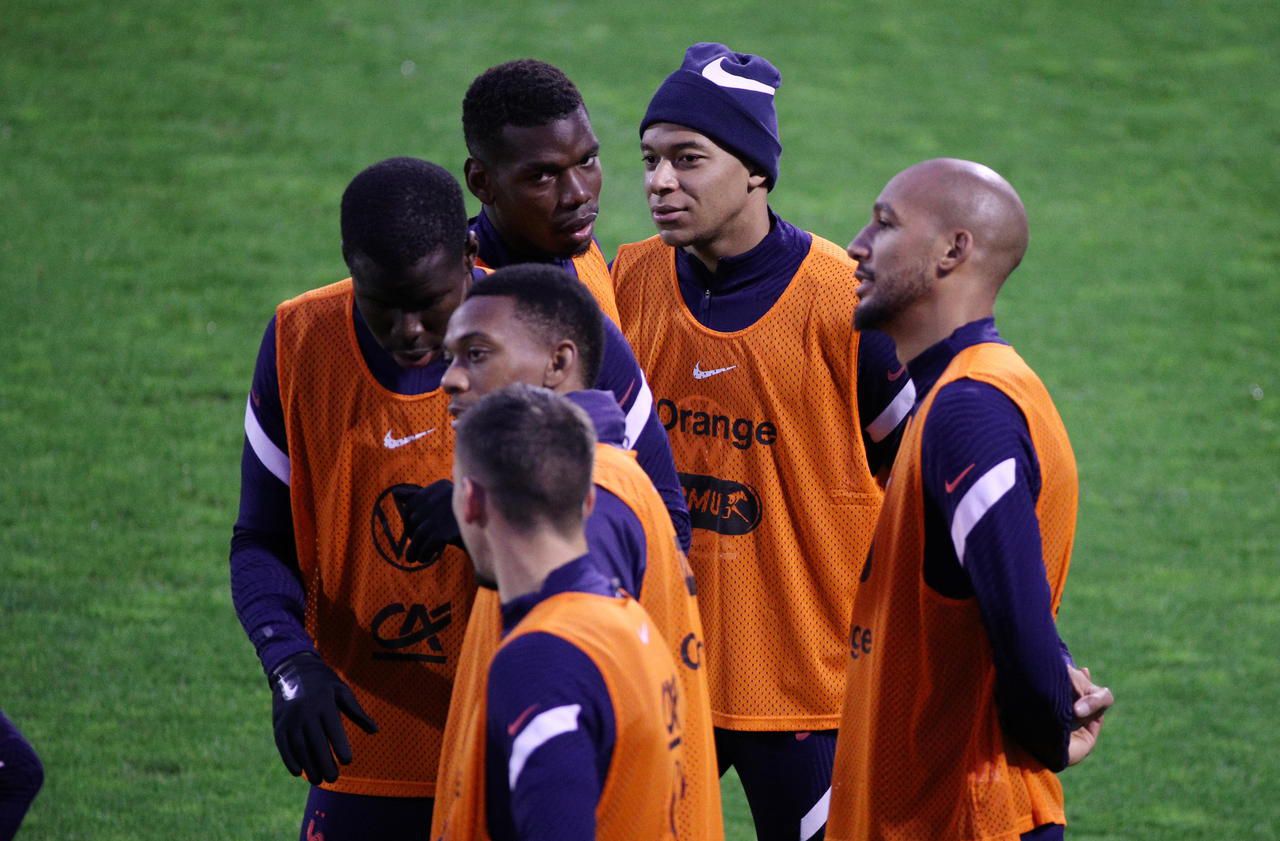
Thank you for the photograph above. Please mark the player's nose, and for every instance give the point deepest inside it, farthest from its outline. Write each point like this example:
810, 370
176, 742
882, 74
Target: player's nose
454, 380
575, 189
662, 178
409, 326
860, 248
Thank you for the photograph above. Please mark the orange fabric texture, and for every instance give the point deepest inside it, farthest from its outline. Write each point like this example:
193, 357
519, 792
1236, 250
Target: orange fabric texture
459, 813
765, 432
921, 753
392, 630
593, 271
643, 785
667, 597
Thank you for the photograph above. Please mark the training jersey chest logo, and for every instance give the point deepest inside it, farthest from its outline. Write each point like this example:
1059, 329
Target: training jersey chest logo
391, 442
700, 374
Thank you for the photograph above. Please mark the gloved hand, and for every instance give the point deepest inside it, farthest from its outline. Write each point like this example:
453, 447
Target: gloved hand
306, 697
429, 522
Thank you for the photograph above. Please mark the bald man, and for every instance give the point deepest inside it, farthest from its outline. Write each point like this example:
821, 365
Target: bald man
959, 705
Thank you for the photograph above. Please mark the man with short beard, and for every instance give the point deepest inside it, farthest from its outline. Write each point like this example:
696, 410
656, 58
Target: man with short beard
960, 707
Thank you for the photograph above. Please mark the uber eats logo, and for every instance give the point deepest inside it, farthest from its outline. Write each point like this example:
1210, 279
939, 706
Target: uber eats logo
720, 505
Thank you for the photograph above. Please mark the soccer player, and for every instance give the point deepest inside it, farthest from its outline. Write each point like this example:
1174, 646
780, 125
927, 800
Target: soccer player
21, 776
345, 421
780, 415
959, 705
582, 708
534, 165
535, 324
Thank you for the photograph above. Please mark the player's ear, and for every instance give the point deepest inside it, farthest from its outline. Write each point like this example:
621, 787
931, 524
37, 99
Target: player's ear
756, 178
959, 247
474, 503
562, 365
589, 504
478, 181
471, 251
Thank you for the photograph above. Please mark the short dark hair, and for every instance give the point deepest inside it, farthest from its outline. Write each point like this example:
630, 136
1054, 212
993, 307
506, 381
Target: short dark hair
533, 453
553, 303
526, 92
400, 210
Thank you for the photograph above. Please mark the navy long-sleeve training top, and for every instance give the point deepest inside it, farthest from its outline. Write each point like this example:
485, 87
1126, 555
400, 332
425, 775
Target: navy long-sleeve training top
543, 779
614, 533
986, 544
746, 286
265, 581
621, 375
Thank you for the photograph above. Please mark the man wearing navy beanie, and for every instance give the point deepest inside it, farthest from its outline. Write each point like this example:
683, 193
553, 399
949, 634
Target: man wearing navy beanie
781, 415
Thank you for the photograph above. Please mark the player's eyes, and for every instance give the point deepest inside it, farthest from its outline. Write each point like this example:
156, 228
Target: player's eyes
476, 354
589, 160
419, 307
650, 161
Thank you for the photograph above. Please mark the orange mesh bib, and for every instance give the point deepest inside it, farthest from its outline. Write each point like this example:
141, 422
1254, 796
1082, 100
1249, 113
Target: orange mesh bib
459, 813
642, 788
390, 629
921, 752
764, 429
667, 595
668, 599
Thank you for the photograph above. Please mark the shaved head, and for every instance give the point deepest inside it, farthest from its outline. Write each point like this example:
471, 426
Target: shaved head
943, 237
963, 195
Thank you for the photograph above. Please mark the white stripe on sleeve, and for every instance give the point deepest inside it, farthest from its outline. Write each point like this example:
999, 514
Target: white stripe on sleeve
544, 727
271, 456
816, 819
977, 501
893, 414
639, 414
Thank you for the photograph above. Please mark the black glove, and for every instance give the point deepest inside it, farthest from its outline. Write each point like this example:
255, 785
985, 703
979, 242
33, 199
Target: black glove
306, 697
429, 522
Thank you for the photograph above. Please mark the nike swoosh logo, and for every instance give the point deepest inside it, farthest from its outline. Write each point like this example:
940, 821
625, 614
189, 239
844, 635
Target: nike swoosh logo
894, 375
391, 442
951, 486
514, 727
716, 74
622, 401
699, 374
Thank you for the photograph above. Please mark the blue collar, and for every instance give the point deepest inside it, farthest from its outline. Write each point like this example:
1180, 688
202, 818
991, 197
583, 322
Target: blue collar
495, 252
605, 413
774, 258
926, 368
581, 575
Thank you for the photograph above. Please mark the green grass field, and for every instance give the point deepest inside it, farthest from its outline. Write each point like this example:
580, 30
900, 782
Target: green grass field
169, 172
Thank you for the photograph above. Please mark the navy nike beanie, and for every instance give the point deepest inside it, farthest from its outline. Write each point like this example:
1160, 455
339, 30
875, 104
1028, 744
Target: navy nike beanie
728, 97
